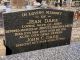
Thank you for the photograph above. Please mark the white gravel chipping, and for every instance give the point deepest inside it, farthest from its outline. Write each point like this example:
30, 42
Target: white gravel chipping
68, 52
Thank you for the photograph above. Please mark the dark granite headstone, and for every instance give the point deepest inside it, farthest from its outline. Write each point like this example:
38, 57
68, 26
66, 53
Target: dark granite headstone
37, 29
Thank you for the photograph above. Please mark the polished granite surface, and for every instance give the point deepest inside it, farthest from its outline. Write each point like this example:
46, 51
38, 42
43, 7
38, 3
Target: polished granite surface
67, 52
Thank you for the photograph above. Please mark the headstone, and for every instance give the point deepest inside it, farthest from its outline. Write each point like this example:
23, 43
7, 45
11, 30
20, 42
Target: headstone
37, 29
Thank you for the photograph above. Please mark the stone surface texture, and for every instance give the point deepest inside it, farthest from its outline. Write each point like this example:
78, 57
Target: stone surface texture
66, 52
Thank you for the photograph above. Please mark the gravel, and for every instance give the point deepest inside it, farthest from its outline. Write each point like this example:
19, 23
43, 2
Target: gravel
67, 52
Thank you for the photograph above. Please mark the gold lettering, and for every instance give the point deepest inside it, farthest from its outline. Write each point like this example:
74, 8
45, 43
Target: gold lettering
25, 26
50, 20
35, 13
34, 21
18, 34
